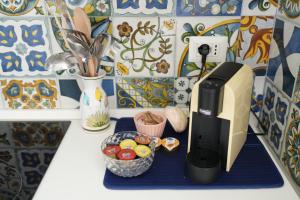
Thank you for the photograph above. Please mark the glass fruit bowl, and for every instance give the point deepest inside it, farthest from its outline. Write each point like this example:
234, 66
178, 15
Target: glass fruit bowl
126, 168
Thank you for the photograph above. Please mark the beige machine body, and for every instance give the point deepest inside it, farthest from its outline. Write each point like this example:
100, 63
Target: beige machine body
235, 108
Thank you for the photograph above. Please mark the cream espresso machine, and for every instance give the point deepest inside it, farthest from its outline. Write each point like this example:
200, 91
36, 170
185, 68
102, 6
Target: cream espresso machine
219, 116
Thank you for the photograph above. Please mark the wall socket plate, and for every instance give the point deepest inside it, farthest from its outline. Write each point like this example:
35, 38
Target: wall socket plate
218, 48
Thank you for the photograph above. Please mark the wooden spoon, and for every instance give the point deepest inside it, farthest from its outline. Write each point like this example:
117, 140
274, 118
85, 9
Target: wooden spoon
92, 65
82, 22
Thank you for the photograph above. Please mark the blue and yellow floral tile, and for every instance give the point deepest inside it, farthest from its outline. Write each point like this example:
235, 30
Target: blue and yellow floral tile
147, 46
145, 7
290, 154
33, 164
296, 93
91, 7
21, 8
209, 8
24, 47
29, 93
37, 134
145, 92
254, 39
70, 90
183, 90
204, 26
284, 56
274, 115
290, 10
259, 7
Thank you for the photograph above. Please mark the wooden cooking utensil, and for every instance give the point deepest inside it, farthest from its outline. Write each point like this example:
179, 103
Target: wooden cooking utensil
92, 65
82, 22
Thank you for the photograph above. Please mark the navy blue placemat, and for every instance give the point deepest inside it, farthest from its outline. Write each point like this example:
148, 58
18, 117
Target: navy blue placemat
253, 167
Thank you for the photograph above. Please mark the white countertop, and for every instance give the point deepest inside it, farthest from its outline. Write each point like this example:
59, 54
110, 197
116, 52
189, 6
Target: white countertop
77, 170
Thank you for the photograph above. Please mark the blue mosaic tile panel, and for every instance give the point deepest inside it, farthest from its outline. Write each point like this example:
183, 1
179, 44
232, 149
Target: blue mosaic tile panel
24, 47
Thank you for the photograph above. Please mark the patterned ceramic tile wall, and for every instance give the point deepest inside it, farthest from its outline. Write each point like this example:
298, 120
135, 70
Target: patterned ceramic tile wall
147, 7
209, 8
147, 46
24, 47
254, 41
259, 8
204, 26
145, 92
290, 151
153, 35
290, 10
253, 44
296, 94
29, 93
254, 37
257, 94
183, 89
91, 7
284, 62
275, 115
282, 89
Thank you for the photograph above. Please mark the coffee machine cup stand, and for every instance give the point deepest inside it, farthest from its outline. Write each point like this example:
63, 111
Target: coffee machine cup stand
219, 115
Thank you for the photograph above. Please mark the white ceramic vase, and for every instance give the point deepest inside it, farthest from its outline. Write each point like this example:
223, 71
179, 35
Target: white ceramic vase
94, 103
